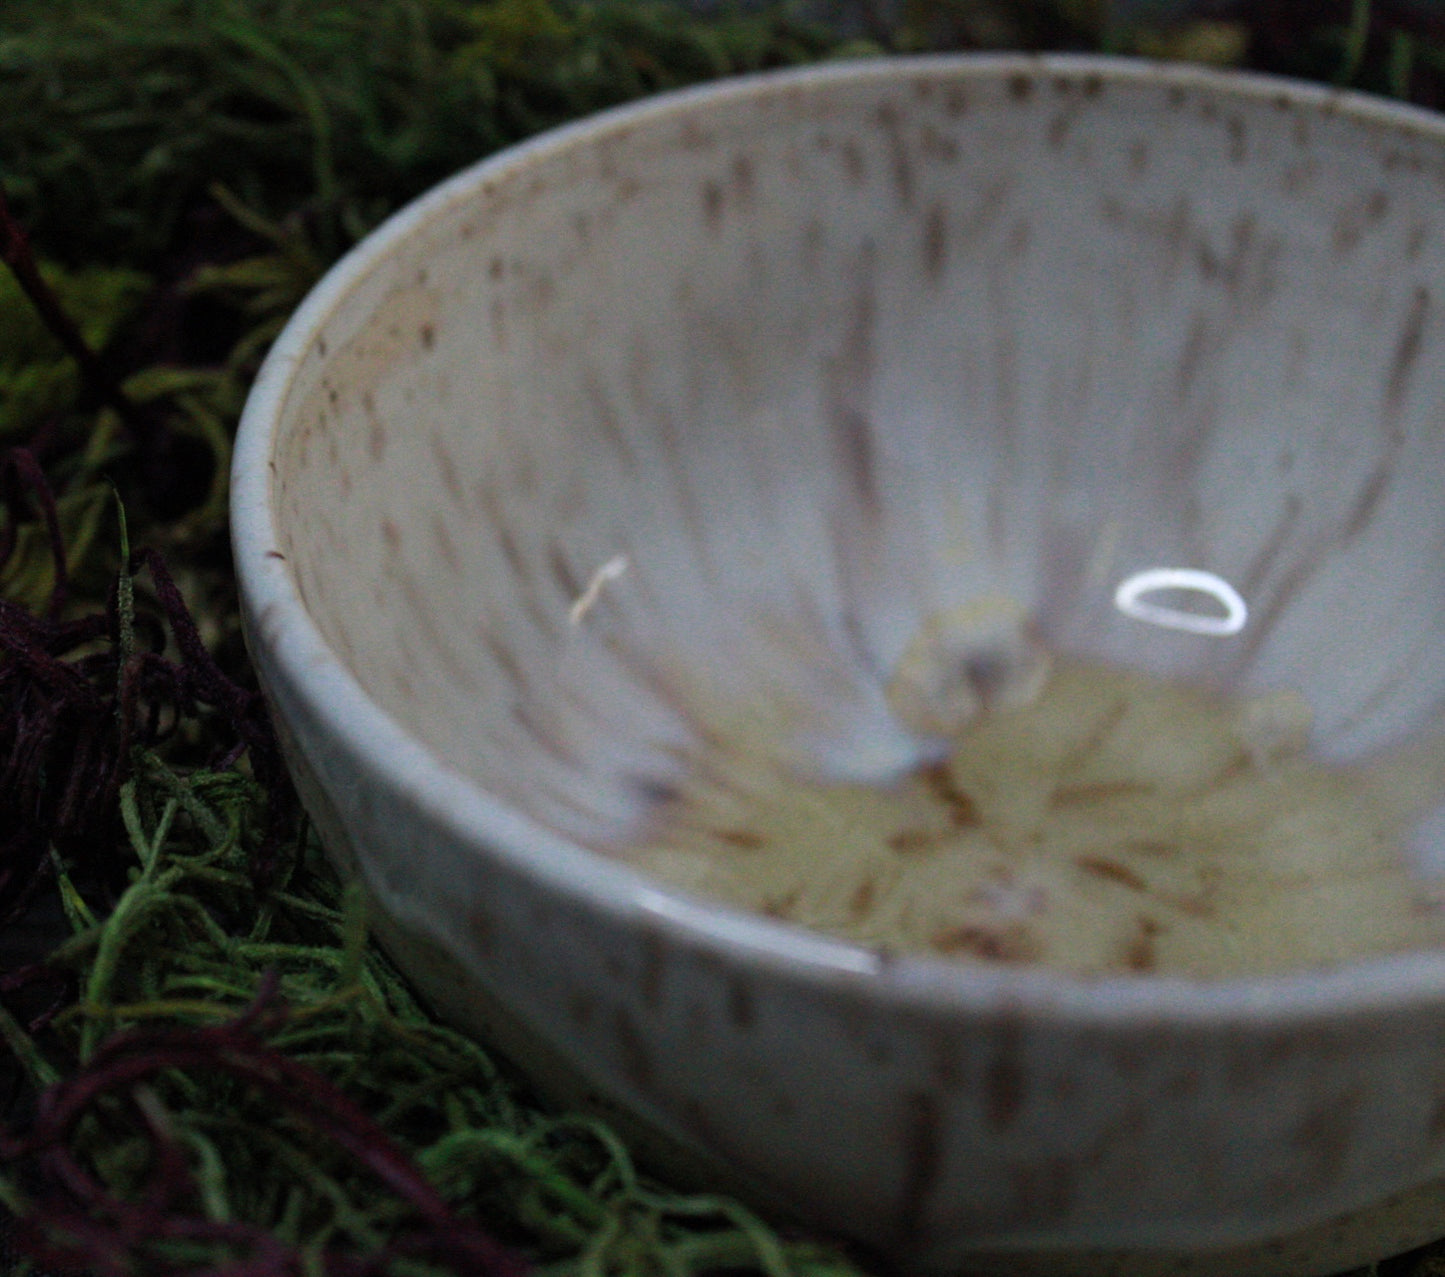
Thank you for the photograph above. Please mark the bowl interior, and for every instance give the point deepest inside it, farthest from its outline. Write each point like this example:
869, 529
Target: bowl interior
676, 426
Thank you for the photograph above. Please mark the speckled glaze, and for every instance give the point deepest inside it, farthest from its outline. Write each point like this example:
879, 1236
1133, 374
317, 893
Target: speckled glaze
823, 354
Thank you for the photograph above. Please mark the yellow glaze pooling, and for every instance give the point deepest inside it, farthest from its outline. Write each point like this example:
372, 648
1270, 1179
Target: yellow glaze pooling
1118, 823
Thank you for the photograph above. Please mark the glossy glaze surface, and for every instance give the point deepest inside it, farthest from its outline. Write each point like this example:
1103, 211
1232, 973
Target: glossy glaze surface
814, 358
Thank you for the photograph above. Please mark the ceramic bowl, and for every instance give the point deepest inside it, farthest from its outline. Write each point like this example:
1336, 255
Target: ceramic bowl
705, 402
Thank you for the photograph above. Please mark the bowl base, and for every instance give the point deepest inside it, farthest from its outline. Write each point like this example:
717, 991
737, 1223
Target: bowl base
1353, 1240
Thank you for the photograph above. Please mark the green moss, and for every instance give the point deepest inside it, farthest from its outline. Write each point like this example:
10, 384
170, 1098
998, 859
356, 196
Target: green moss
37, 378
187, 169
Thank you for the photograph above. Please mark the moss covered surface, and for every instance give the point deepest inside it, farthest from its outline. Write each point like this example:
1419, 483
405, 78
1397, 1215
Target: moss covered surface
207, 1068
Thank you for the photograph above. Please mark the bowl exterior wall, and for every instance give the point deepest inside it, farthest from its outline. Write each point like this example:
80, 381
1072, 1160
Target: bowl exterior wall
927, 1134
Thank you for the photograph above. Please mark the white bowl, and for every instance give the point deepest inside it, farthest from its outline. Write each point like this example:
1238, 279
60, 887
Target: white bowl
821, 353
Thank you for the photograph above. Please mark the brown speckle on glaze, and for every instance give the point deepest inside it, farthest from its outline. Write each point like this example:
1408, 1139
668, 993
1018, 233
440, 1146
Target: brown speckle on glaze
1140, 950
935, 242
1238, 137
503, 655
846, 381
1044, 1189
1352, 223
633, 1055
1395, 160
1325, 1137
864, 896
608, 421
900, 167
432, 630
447, 471
1108, 870
742, 1007
525, 716
1011, 944
652, 791
446, 547
1095, 791
921, 1144
782, 906
376, 431
482, 928
1370, 494
1200, 343
962, 814
712, 205
1005, 1082
947, 1059
1245, 262
814, 238
1435, 1123
1021, 86
567, 580
693, 137
1019, 237
653, 968
742, 178
1299, 178
910, 841
938, 146
1407, 351
501, 529
743, 839
391, 534
1058, 130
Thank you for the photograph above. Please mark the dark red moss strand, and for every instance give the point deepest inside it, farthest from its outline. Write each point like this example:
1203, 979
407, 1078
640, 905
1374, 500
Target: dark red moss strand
27, 468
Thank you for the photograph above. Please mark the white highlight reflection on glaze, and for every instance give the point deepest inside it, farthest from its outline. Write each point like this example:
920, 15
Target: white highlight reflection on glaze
1132, 595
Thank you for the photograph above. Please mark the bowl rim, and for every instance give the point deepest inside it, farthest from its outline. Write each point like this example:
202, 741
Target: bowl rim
287, 643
